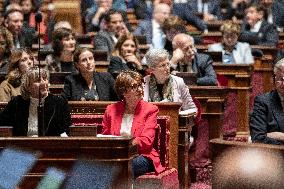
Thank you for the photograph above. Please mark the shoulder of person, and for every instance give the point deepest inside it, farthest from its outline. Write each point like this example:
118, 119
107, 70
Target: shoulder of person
115, 59
104, 75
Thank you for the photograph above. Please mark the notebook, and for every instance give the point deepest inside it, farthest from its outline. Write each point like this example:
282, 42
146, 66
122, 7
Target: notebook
53, 179
14, 164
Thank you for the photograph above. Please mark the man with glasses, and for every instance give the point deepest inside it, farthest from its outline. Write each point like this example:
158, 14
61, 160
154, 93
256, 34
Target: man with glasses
186, 59
267, 118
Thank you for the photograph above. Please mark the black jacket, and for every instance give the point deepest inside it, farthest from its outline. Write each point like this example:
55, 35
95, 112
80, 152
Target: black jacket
267, 116
57, 118
75, 85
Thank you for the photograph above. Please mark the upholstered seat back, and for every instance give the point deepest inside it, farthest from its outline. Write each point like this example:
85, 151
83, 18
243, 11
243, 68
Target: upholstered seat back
161, 143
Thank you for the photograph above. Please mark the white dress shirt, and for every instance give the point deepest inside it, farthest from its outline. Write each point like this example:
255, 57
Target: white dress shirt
256, 27
126, 125
158, 39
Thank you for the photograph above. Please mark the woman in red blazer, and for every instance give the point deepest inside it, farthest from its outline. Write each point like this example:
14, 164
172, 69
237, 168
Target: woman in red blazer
135, 118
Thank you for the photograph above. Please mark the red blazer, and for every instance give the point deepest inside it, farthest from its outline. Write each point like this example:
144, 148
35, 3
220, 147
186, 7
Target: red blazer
143, 127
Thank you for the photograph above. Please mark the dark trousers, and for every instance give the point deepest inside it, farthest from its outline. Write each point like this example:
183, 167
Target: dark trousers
141, 165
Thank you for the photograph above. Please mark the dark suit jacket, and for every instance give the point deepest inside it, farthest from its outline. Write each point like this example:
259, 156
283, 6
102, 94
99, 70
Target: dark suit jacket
267, 116
145, 28
143, 127
75, 84
202, 65
117, 65
57, 117
103, 41
267, 35
213, 7
26, 37
185, 12
278, 13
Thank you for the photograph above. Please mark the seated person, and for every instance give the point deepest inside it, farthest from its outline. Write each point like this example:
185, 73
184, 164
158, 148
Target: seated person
161, 86
6, 45
133, 117
257, 31
20, 61
125, 56
233, 51
88, 84
266, 121
186, 59
21, 112
63, 44
106, 38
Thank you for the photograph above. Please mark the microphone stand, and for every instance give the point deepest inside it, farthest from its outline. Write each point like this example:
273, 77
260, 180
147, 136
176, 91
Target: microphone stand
40, 108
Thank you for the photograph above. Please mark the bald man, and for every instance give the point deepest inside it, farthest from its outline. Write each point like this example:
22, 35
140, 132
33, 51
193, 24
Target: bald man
186, 59
152, 28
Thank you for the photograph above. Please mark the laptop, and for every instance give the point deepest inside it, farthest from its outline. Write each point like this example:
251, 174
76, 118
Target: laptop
14, 164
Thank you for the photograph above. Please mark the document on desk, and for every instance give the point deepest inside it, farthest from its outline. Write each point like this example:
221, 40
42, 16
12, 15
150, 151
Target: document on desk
108, 136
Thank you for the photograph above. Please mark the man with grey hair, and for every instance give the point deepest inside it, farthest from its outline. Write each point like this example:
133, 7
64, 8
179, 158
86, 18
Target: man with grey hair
161, 86
186, 59
267, 118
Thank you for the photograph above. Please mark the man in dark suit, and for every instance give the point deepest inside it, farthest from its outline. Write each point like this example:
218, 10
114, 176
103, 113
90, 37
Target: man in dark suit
115, 27
210, 9
186, 59
23, 36
275, 12
267, 118
152, 29
256, 30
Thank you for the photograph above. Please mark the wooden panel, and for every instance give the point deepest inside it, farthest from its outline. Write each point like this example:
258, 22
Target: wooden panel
63, 152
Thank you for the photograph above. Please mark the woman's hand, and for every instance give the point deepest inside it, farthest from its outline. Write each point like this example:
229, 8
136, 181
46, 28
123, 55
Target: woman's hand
132, 58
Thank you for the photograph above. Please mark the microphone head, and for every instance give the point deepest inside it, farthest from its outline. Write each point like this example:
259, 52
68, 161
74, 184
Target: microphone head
38, 17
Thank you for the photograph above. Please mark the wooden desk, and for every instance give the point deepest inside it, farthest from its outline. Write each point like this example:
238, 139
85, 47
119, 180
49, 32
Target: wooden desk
239, 82
212, 99
63, 152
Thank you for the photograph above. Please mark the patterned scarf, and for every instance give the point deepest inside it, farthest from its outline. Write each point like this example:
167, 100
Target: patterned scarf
154, 95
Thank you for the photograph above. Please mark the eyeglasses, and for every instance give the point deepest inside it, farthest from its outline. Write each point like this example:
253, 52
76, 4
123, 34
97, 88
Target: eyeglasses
164, 65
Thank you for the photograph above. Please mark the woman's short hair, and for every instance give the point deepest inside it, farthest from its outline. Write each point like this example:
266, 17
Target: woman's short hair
231, 27
57, 37
128, 79
121, 40
176, 23
79, 51
155, 56
33, 74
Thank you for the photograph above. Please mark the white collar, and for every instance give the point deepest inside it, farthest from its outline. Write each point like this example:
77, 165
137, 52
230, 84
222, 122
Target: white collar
256, 27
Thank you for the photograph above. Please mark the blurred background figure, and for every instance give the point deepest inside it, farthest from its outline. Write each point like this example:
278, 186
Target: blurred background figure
125, 56
20, 61
21, 112
233, 51
6, 45
88, 84
133, 117
152, 29
63, 44
115, 28
256, 30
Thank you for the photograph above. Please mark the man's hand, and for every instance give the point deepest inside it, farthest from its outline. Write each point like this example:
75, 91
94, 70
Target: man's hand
208, 17
178, 55
276, 135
